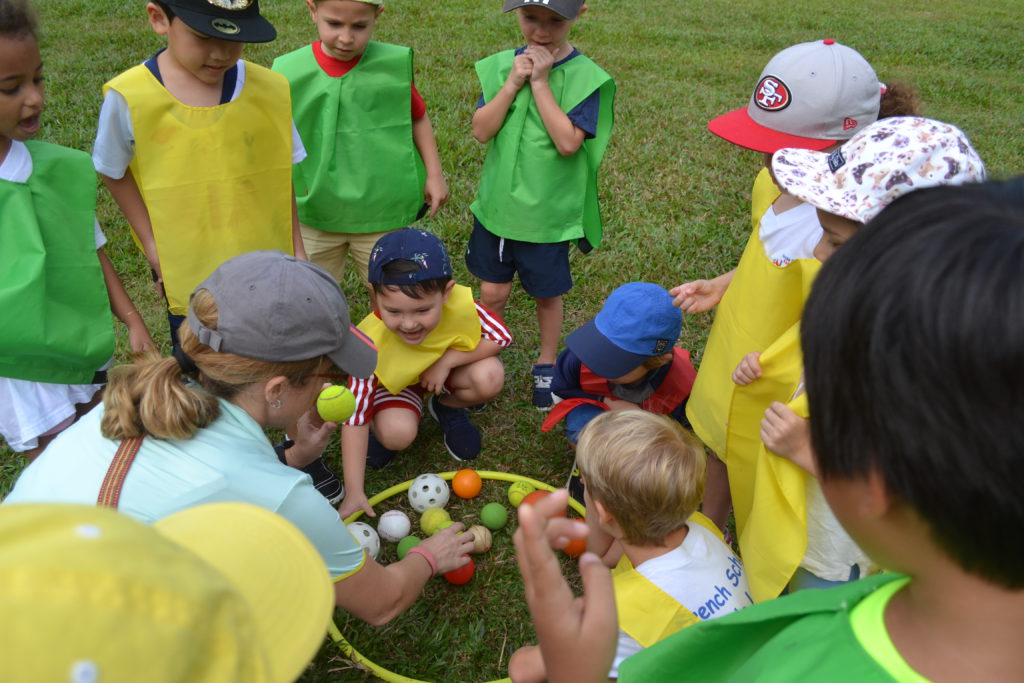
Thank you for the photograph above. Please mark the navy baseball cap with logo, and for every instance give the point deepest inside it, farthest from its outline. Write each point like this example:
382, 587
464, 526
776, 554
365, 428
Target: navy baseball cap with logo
237, 20
423, 248
636, 322
808, 96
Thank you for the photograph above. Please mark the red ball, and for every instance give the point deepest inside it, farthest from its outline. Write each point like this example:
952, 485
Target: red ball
463, 574
537, 495
576, 547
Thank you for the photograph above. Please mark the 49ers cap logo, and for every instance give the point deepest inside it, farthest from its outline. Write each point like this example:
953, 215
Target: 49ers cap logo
771, 94
225, 26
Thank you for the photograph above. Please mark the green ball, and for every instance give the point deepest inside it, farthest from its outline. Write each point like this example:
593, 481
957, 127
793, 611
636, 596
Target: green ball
494, 516
336, 404
405, 544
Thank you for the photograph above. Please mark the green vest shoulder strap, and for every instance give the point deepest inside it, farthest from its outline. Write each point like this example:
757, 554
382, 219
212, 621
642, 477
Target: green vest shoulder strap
803, 636
363, 172
52, 291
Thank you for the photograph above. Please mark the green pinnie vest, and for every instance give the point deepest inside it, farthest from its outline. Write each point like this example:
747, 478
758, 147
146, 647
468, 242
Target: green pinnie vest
528, 191
363, 172
56, 312
805, 636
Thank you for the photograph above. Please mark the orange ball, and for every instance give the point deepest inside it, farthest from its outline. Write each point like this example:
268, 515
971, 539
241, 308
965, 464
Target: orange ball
576, 547
537, 495
466, 484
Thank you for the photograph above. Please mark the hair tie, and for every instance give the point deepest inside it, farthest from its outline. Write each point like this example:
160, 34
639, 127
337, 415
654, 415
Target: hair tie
185, 362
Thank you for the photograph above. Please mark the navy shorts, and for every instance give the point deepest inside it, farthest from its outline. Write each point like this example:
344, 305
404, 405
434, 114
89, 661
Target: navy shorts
543, 268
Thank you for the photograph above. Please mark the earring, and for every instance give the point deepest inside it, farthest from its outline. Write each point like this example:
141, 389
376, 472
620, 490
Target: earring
275, 404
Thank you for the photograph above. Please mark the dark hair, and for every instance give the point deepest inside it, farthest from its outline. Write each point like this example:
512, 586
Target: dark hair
17, 19
899, 99
417, 290
913, 341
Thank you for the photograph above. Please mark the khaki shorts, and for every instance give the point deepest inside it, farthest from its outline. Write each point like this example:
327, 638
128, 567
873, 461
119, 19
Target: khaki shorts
330, 249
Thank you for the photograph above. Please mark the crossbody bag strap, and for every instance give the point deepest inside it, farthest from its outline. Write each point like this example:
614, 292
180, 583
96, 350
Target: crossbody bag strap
110, 490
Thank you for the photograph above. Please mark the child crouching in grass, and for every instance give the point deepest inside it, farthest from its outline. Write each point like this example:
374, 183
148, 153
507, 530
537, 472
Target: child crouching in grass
644, 479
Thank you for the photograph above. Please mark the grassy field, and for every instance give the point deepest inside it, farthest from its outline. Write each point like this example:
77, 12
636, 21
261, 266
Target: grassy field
674, 197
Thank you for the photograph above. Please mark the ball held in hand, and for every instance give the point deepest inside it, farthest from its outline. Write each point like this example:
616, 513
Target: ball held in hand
335, 404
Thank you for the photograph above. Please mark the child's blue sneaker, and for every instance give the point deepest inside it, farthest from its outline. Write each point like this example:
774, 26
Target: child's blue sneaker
542, 373
377, 456
461, 437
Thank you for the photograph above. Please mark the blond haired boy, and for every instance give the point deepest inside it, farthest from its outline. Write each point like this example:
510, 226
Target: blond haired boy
644, 480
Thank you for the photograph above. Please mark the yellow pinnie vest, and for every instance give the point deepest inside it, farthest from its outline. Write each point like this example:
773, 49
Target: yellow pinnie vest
400, 365
769, 492
762, 301
646, 612
216, 181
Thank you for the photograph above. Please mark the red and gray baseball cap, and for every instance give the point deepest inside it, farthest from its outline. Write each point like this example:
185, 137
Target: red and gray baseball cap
237, 20
570, 9
809, 95
277, 308
888, 159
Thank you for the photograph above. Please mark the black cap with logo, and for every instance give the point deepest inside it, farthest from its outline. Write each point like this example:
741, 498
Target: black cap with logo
237, 20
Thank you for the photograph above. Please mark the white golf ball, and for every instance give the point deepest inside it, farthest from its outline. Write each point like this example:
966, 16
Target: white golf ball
428, 491
365, 536
394, 525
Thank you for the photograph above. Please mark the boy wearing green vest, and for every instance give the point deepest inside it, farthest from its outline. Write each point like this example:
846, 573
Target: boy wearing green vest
196, 146
538, 189
913, 363
57, 286
644, 481
373, 164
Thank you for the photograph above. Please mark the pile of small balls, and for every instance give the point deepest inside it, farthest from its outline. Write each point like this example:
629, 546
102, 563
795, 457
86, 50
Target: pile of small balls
428, 495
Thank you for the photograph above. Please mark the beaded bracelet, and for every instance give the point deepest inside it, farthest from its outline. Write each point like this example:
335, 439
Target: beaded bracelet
426, 556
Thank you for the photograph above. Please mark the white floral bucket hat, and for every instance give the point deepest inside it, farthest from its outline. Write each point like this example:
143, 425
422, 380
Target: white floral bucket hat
883, 162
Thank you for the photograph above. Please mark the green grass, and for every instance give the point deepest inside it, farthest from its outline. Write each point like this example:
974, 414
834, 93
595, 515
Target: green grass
675, 199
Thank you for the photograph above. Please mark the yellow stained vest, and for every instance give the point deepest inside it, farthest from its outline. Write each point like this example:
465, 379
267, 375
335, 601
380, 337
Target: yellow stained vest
761, 303
216, 181
769, 493
400, 365
646, 612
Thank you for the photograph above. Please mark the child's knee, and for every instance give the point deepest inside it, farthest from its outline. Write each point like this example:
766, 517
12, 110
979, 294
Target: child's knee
485, 378
396, 428
526, 665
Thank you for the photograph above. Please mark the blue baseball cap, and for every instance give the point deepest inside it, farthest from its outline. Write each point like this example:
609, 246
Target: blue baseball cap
636, 322
411, 244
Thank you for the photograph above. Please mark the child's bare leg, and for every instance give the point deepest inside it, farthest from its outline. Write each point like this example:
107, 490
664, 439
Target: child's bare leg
42, 442
549, 320
526, 665
717, 498
396, 428
494, 295
475, 383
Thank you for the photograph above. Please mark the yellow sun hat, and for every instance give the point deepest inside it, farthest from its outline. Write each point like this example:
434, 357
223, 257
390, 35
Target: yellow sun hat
219, 592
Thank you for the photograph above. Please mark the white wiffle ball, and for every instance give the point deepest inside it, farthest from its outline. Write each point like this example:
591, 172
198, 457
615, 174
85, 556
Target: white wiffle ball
394, 525
428, 491
366, 536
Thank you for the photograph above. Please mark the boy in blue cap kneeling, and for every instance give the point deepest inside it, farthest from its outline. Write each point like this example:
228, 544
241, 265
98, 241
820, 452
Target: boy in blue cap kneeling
625, 358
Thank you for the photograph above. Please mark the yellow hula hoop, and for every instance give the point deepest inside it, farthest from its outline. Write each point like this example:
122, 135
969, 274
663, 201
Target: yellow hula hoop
332, 629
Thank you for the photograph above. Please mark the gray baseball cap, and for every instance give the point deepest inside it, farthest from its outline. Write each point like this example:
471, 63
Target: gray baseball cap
570, 9
277, 308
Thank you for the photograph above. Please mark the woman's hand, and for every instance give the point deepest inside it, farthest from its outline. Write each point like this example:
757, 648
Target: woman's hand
449, 548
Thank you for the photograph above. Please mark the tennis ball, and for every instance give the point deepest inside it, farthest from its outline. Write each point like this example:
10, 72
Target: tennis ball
430, 520
336, 404
494, 516
442, 525
517, 491
405, 544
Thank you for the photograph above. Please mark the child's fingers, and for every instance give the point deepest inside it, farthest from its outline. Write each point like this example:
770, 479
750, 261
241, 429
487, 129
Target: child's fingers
599, 614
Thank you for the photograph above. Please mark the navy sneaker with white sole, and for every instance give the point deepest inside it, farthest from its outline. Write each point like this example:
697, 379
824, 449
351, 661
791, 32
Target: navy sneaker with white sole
461, 437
